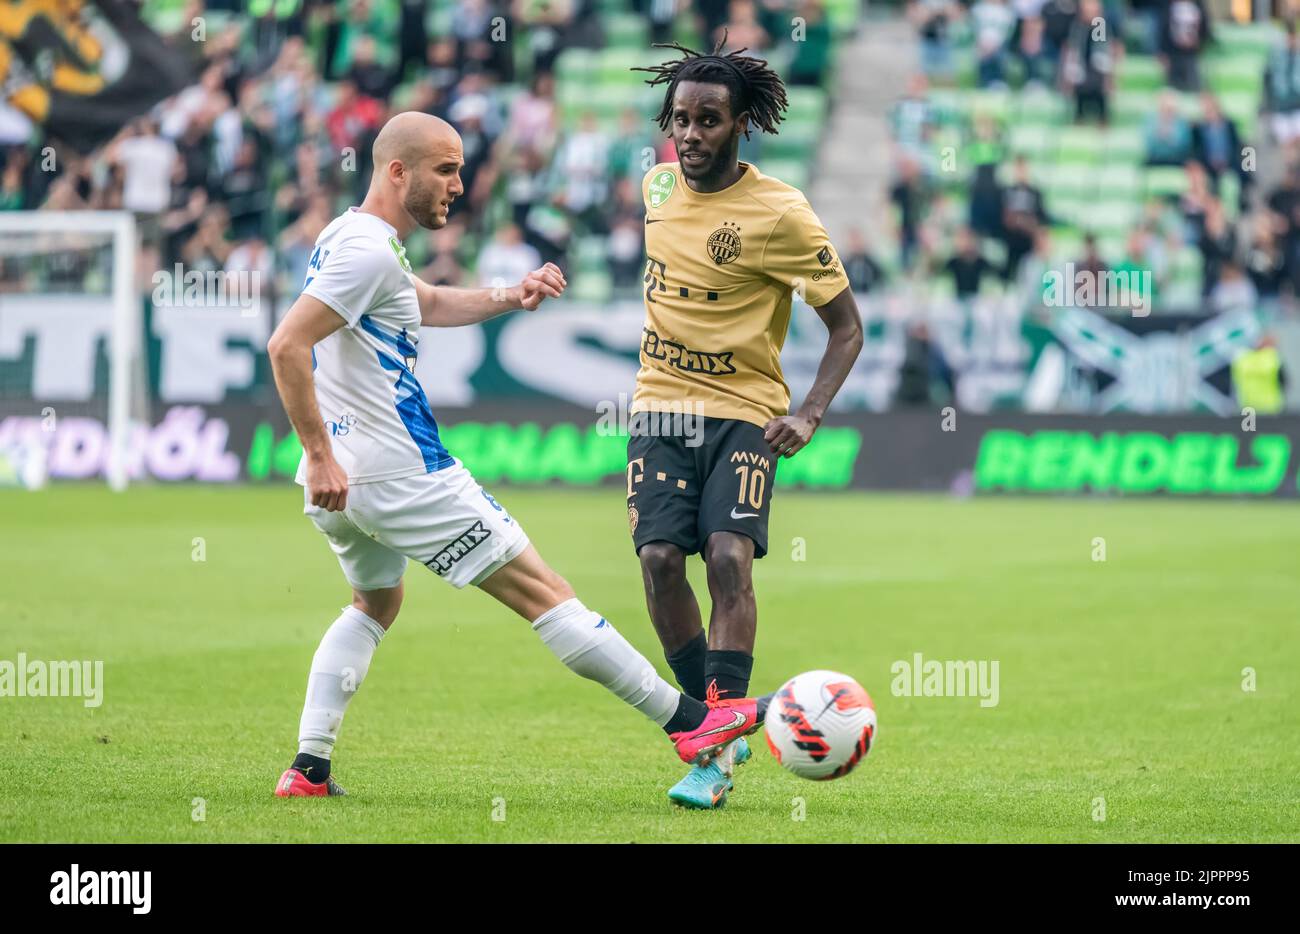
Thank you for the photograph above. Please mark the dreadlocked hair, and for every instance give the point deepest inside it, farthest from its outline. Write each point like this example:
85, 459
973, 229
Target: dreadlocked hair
754, 86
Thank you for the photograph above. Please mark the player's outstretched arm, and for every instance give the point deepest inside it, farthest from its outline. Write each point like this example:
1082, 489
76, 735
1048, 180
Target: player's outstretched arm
308, 322
445, 307
788, 434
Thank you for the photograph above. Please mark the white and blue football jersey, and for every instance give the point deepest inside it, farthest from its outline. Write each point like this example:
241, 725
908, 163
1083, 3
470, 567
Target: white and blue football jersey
374, 409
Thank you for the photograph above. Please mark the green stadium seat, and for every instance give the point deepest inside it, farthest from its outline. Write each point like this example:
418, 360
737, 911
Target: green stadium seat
1035, 142
1228, 75
1140, 73
627, 30
807, 103
1165, 181
1125, 146
1132, 108
842, 15
1063, 180
1079, 145
788, 144
791, 171
1041, 107
1120, 181
1246, 39
1113, 217
576, 65
993, 103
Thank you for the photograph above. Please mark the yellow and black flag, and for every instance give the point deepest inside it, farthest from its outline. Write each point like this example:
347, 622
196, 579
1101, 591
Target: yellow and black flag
83, 69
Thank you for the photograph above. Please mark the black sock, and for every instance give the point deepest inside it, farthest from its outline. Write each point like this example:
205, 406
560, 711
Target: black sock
314, 767
727, 673
687, 664
690, 714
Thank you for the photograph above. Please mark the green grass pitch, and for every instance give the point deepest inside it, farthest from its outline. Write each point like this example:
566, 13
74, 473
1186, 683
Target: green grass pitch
1121, 681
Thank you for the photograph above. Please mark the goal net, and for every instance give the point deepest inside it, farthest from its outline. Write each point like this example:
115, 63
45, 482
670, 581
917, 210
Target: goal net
72, 377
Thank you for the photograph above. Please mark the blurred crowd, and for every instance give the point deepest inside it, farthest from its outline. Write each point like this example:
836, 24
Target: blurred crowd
999, 237
242, 170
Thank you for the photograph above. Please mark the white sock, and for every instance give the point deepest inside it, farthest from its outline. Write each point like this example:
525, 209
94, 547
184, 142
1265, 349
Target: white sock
590, 646
337, 670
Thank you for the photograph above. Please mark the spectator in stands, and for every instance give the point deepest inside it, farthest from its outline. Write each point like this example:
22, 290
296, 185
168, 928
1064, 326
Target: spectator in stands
534, 118
1088, 62
1217, 146
924, 378
413, 40
547, 25
1218, 244
581, 167
370, 77
11, 185
1031, 278
863, 272
1143, 254
352, 117
985, 152
1282, 89
743, 29
208, 249
967, 266
912, 118
627, 234
631, 152
813, 50
1186, 30
1234, 291
1022, 216
1168, 137
933, 20
146, 160
502, 259
446, 267
1194, 203
1264, 258
1031, 50
1260, 378
478, 174
1148, 17
910, 194
1058, 20
992, 23
181, 219
1093, 266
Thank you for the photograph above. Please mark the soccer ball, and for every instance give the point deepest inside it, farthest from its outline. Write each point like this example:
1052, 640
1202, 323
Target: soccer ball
820, 725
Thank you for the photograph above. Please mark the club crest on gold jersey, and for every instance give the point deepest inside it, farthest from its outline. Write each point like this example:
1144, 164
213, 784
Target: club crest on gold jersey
724, 244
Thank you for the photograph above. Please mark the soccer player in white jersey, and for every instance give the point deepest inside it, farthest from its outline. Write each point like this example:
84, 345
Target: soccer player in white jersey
381, 487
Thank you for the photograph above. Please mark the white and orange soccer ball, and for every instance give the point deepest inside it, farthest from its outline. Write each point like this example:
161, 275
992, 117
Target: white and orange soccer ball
820, 725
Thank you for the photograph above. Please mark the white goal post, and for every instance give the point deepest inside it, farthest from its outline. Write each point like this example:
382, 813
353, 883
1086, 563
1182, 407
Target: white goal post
29, 239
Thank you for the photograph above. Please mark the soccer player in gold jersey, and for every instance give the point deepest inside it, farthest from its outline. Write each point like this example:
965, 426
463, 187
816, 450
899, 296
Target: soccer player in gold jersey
728, 250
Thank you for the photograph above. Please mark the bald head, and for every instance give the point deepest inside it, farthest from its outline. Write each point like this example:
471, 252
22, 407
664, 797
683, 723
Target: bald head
412, 136
417, 160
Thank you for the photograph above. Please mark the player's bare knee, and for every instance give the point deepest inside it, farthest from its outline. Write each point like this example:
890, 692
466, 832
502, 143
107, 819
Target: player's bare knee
380, 605
663, 565
561, 590
730, 567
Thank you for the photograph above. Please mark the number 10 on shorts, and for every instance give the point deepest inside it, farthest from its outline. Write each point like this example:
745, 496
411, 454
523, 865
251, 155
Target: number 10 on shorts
753, 483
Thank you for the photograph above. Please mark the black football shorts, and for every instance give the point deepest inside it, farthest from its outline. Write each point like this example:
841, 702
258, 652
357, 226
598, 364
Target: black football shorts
683, 486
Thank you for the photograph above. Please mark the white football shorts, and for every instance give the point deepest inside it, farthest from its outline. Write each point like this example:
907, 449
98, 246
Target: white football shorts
444, 520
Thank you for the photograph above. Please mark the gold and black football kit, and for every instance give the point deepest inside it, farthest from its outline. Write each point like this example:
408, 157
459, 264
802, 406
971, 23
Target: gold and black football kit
722, 270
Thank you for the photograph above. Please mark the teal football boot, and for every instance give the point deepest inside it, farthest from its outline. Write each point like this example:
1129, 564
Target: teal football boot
706, 786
